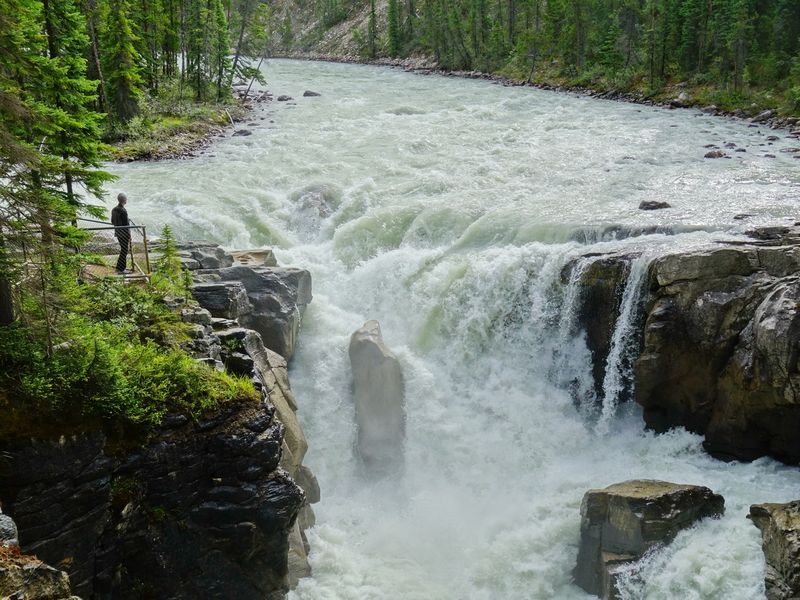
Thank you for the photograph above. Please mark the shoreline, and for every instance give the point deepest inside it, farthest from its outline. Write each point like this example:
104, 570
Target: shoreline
194, 136
426, 66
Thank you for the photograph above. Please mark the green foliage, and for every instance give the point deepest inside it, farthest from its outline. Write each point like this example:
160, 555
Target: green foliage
168, 275
393, 28
740, 48
115, 358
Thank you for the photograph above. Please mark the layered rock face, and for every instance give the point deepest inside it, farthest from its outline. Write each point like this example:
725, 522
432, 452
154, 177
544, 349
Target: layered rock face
721, 348
780, 530
378, 391
623, 521
213, 508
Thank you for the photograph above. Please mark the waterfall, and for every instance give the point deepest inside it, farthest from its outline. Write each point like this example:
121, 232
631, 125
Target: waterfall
619, 365
451, 224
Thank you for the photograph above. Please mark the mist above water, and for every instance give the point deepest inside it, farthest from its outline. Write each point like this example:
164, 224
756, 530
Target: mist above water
451, 208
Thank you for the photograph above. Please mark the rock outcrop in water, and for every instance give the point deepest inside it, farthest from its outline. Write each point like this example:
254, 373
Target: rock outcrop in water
206, 508
780, 530
721, 347
378, 390
250, 287
719, 341
620, 523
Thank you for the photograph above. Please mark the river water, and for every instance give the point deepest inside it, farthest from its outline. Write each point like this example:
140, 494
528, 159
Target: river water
453, 206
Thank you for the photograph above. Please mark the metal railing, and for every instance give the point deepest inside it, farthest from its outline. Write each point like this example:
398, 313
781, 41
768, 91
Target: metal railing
105, 244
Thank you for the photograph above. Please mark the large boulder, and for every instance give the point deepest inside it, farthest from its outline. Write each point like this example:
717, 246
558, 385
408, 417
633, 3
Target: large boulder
780, 531
757, 410
223, 299
620, 523
378, 391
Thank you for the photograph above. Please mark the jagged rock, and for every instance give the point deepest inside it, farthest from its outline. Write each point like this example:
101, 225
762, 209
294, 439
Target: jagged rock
623, 521
242, 132
278, 296
27, 578
757, 410
270, 370
202, 255
780, 531
378, 391
720, 347
9, 538
200, 510
653, 205
715, 154
309, 94
224, 300
284, 98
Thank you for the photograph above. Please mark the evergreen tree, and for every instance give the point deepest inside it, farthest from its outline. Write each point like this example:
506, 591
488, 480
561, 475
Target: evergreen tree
122, 64
393, 28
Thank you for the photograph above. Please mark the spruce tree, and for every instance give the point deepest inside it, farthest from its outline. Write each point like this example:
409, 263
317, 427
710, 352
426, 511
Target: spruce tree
122, 63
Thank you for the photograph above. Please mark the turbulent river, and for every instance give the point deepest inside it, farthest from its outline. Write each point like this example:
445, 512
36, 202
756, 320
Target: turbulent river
454, 206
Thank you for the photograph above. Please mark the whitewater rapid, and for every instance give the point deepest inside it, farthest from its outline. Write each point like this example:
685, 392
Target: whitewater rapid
454, 207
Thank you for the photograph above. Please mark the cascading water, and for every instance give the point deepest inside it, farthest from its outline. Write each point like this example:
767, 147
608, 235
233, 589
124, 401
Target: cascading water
619, 371
448, 210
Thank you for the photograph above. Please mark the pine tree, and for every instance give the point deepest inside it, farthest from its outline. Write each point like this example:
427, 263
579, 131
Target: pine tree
393, 27
122, 63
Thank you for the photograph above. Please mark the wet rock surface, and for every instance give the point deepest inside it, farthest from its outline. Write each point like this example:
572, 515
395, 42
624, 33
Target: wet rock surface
378, 391
620, 523
780, 531
721, 346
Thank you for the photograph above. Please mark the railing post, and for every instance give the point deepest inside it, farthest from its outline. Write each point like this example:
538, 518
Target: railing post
146, 252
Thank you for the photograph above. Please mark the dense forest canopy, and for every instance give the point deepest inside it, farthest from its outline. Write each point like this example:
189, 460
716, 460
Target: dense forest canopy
735, 47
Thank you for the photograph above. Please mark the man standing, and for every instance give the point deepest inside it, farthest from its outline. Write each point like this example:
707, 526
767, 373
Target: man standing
119, 219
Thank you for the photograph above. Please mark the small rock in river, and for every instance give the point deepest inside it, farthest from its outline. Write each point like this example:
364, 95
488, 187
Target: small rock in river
284, 98
309, 93
715, 154
653, 205
242, 132
772, 138
769, 156
741, 150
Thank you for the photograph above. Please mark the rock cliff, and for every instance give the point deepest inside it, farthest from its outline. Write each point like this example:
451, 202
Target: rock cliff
720, 341
213, 507
780, 531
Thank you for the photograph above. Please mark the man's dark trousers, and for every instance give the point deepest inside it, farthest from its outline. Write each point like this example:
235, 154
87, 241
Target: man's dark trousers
124, 238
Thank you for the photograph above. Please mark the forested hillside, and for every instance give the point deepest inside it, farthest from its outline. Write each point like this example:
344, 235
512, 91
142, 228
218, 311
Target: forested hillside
729, 52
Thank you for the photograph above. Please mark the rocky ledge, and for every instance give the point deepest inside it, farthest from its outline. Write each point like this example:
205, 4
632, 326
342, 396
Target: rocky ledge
719, 341
622, 522
780, 530
213, 507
